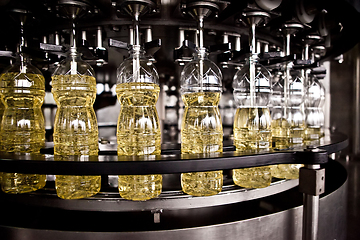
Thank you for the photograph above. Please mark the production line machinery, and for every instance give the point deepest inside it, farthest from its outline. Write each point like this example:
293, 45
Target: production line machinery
168, 33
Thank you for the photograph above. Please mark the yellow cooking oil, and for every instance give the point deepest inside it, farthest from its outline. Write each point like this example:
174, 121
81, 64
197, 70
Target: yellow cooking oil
22, 127
252, 132
280, 137
313, 133
297, 127
201, 132
286, 171
75, 132
297, 133
138, 133
280, 134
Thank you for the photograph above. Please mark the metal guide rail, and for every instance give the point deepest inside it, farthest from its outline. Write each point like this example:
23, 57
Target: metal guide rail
170, 161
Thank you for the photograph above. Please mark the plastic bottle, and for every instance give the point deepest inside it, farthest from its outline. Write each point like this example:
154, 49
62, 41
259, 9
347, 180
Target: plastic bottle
138, 129
252, 123
292, 120
75, 127
296, 115
314, 115
201, 128
280, 125
22, 88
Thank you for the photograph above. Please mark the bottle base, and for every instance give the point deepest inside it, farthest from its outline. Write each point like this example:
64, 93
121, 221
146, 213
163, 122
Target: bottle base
202, 183
257, 177
77, 187
139, 187
286, 171
17, 183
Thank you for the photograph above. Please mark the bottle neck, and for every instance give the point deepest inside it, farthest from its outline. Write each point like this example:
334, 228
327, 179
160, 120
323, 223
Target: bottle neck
73, 53
201, 54
74, 58
136, 51
23, 61
254, 58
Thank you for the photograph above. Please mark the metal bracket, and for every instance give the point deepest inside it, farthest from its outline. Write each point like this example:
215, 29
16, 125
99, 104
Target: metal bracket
156, 213
312, 181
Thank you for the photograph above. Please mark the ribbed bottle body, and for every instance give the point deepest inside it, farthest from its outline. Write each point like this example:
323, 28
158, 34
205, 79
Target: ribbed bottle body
252, 132
22, 126
75, 132
138, 133
201, 132
314, 115
252, 122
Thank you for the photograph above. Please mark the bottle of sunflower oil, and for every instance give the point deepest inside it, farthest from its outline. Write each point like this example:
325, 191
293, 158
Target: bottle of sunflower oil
281, 123
252, 123
138, 129
280, 126
296, 114
22, 130
296, 120
75, 127
292, 88
201, 127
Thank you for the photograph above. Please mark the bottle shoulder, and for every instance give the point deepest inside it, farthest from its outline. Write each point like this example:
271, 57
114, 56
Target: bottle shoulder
201, 99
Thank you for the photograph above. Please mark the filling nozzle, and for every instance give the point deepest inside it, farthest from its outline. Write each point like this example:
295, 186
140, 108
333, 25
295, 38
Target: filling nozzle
136, 48
252, 62
201, 51
73, 34
136, 24
73, 63
73, 51
23, 67
201, 32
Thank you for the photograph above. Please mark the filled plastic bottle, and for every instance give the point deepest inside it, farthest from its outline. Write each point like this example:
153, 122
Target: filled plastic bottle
252, 123
296, 116
292, 84
22, 89
201, 128
296, 120
280, 126
75, 127
281, 122
138, 129
314, 115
